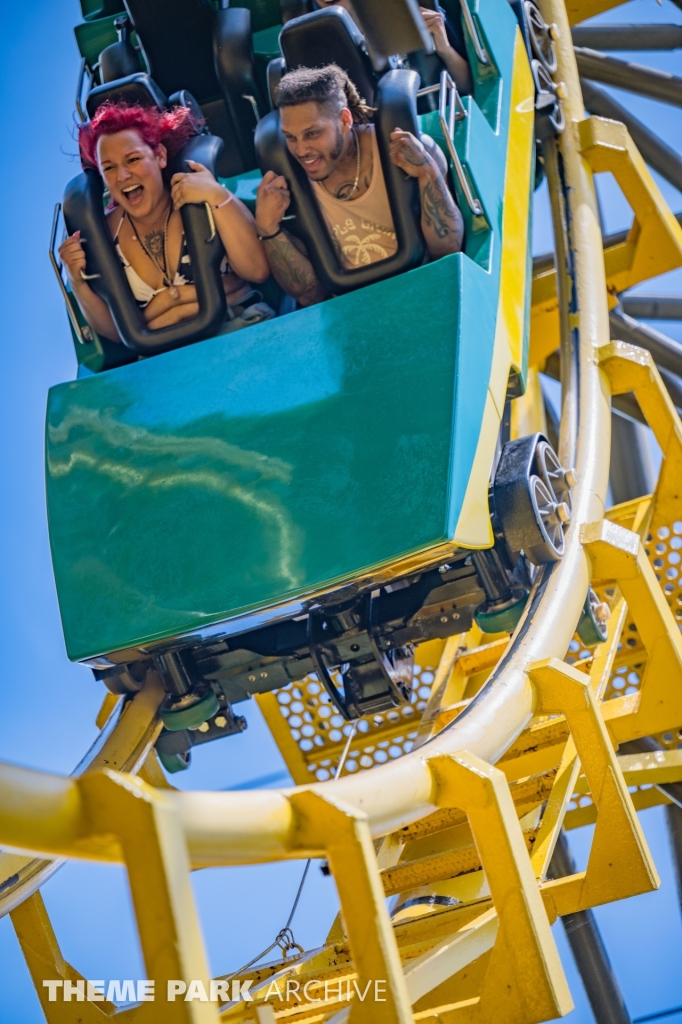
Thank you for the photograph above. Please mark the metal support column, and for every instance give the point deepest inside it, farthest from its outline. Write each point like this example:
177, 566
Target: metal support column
588, 950
673, 812
631, 474
657, 85
628, 37
652, 307
673, 817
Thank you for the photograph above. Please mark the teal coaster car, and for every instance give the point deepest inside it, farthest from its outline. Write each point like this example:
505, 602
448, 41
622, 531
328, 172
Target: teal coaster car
306, 494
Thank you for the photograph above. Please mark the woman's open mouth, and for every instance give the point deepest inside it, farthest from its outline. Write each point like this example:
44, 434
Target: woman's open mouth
133, 194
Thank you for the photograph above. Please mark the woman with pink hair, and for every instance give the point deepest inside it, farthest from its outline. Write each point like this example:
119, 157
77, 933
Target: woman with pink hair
130, 147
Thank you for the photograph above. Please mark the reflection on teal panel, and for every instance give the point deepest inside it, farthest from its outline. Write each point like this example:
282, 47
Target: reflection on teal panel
235, 473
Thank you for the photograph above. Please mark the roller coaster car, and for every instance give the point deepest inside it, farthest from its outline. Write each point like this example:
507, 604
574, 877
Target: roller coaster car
322, 491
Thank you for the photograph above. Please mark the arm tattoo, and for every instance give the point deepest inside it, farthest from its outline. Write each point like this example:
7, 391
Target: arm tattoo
416, 158
292, 269
441, 218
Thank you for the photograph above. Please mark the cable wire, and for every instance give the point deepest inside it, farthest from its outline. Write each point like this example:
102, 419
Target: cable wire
285, 936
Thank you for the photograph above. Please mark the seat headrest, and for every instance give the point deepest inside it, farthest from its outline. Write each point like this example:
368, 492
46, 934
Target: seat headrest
135, 89
329, 37
119, 60
177, 40
184, 98
396, 107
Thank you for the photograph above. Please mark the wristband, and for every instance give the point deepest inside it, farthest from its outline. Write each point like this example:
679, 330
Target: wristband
230, 197
266, 238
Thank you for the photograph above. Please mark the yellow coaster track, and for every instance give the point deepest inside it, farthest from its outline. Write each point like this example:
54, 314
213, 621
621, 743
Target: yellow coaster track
466, 798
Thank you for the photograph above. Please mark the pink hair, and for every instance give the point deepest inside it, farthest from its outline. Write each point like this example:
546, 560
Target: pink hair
172, 128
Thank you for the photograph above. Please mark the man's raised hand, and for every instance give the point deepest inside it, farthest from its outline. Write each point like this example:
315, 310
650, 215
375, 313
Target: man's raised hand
410, 155
272, 202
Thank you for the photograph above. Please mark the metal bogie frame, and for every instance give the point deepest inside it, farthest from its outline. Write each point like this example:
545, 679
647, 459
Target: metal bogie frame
519, 737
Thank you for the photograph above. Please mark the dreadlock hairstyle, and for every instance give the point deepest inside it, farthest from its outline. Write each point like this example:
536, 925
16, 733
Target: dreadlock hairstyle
330, 87
172, 128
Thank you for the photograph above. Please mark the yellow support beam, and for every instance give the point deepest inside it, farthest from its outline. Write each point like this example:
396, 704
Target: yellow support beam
526, 793
652, 247
455, 854
581, 10
618, 554
281, 733
630, 368
652, 769
343, 833
620, 864
641, 800
524, 980
654, 244
45, 963
432, 969
569, 766
143, 823
125, 749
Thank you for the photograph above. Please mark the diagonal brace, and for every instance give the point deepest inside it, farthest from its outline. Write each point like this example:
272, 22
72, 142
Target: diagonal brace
620, 864
617, 554
342, 832
524, 980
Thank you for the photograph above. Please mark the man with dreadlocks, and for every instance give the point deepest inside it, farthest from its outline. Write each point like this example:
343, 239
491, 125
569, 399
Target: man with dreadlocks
327, 128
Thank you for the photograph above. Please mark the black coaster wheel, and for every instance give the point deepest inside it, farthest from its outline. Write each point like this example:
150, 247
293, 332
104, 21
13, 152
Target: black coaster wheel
531, 499
547, 103
554, 475
549, 545
540, 37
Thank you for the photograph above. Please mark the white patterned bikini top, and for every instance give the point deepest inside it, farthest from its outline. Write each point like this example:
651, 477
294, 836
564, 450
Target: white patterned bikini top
143, 292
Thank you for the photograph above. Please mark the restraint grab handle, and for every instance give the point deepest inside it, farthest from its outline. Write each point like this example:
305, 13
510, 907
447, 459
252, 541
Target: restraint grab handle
448, 103
83, 334
480, 50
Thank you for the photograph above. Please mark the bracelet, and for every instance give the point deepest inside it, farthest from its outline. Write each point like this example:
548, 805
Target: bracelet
230, 197
266, 238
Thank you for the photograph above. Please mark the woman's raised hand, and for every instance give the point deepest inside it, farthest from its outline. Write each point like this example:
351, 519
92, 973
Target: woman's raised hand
456, 65
196, 186
435, 23
72, 255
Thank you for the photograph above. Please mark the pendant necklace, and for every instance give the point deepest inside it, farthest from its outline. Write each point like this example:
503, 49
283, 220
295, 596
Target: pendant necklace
163, 270
344, 199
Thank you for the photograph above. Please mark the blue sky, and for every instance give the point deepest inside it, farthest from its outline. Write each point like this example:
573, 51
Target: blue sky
48, 706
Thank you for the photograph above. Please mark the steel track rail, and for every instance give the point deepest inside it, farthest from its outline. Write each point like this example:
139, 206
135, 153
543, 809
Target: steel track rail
236, 827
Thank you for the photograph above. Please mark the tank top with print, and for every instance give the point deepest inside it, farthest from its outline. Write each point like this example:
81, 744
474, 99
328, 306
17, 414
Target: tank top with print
362, 228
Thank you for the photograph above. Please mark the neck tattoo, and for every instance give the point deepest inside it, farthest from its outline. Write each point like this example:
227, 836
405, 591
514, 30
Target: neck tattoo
342, 194
155, 245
